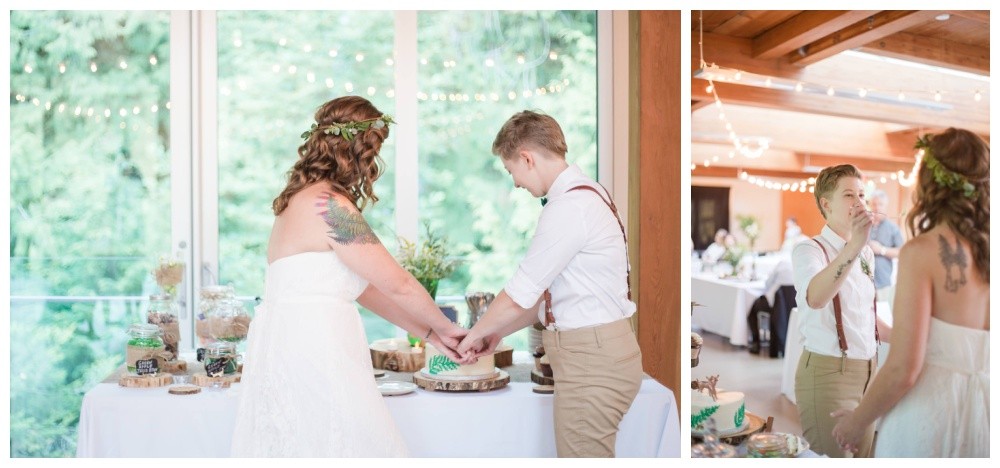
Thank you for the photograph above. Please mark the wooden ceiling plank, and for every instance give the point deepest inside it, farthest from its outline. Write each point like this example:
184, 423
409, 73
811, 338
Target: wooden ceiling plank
932, 51
982, 16
804, 28
826, 105
863, 32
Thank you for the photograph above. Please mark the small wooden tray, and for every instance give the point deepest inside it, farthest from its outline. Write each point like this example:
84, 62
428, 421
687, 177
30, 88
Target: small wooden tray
146, 381
184, 390
202, 379
438, 385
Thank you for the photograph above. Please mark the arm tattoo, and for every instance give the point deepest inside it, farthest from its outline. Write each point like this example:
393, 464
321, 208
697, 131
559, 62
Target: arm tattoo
346, 226
951, 257
840, 269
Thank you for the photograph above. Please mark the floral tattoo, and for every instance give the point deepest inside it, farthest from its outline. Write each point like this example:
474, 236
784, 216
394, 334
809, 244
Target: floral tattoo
951, 257
346, 226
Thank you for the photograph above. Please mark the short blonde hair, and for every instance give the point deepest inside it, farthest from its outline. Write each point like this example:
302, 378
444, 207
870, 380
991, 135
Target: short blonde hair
828, 178
529, 128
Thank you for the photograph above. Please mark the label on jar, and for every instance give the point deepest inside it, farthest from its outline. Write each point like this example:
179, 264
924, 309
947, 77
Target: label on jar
146, 366
215, 367
200, 352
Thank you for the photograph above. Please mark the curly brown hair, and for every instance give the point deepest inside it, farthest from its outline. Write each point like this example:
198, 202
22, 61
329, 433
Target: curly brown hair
968, 155
351, 167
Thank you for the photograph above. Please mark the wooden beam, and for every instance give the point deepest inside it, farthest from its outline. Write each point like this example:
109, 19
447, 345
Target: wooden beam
871, 29
865, 164
734, 172
982, 16
804, 28
851, 108
698, 104
932, 51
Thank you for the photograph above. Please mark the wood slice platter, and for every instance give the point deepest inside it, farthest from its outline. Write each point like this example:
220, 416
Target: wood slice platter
184, 390
540, 379
146, 381
439, 385
202, 379
401, 359
544, 389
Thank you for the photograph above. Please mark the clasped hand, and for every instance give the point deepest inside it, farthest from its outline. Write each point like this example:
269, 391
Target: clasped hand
461, 345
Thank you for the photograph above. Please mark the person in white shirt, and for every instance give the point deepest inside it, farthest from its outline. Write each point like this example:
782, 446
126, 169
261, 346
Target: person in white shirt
716, 249
834, 282
575, 275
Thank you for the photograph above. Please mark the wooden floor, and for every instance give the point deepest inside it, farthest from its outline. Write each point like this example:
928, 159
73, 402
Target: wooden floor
757, 376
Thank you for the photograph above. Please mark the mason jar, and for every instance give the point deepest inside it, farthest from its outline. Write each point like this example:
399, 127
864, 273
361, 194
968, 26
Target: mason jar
144, 342
767, 446
163, 312
210, 298
229, 321
220, 352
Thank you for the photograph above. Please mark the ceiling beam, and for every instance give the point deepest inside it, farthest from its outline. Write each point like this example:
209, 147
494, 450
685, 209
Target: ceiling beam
734, 172
696, 104
836, 106
864, 164
863, 32
982, 16
804, 28
932, 51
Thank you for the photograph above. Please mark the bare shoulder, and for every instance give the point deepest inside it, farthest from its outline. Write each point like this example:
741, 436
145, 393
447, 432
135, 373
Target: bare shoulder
344, 223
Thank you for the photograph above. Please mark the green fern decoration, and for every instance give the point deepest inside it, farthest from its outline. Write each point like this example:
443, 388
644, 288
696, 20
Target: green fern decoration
702, 416
441, 364
738, 419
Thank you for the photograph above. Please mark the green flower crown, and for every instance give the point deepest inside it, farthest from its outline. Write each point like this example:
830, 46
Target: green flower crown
349, 129
942, 175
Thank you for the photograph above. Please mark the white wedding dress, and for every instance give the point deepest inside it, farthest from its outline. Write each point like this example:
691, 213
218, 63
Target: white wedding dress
947, 412
308, 389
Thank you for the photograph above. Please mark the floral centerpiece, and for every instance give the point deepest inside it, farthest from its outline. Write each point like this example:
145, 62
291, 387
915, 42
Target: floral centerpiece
750, 227
429, 264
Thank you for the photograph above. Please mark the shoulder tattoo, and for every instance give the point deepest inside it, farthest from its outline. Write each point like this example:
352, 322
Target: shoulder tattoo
952, 257
347, 226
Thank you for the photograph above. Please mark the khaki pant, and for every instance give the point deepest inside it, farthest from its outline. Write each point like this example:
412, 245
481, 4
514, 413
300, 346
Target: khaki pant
597, 372
824, 384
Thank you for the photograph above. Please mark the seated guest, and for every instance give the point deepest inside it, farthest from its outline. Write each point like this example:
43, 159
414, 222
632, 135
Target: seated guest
716, 249
767, 302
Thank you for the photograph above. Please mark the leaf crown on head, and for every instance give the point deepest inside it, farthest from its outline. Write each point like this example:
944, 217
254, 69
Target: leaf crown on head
348, 130
942, 175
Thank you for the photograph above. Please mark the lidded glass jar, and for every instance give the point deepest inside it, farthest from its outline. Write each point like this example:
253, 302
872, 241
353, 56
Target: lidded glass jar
163, 312
144, 342
229, 321
210, 297
220, 352
768, 446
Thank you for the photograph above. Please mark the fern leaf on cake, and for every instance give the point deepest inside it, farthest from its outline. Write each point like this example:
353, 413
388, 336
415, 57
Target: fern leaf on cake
441, 364
703, 415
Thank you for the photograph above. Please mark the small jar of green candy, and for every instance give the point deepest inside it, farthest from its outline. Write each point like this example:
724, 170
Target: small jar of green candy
144, 342
221, 351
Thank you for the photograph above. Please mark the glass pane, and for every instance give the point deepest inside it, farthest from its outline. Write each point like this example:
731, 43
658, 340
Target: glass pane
89, 206
477, 68
275, 69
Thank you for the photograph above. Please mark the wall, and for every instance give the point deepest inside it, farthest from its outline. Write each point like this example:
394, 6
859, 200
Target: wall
747, 199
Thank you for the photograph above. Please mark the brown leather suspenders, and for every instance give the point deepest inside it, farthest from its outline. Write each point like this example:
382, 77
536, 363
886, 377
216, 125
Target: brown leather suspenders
839, 315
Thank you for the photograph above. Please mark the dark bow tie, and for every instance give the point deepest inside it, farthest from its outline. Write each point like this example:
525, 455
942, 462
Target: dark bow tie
544, 201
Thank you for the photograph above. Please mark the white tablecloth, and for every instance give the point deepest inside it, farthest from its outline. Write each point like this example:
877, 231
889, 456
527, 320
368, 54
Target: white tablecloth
794, 346
725, 304
510, 422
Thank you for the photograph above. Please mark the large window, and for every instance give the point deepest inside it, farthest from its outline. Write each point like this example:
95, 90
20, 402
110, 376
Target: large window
130, 178
90, 105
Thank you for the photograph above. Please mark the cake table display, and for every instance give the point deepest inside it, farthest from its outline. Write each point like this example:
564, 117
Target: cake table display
442, 374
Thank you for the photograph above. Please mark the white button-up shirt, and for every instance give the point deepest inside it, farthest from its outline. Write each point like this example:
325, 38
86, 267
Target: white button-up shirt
857, 297
578, 253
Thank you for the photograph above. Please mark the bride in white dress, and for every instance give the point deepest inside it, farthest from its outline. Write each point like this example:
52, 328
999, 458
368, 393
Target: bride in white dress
308, 388
934, 390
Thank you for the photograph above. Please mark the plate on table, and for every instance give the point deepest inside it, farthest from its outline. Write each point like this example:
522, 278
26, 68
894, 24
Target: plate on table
394, 387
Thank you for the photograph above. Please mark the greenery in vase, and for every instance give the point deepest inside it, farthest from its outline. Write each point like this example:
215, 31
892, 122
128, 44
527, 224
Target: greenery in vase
430, 263
750, 227
733, 255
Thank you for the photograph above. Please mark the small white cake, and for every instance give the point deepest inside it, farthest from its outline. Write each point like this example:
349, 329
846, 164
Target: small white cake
728, 411
438, 366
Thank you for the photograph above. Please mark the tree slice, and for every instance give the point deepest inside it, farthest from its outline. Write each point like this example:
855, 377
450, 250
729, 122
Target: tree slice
184, 390
544, 389
428, 383
540, 379
399, 360
146, 381
203, 380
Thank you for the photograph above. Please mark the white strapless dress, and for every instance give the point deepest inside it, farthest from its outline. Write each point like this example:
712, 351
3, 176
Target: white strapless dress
308, 389
947, 412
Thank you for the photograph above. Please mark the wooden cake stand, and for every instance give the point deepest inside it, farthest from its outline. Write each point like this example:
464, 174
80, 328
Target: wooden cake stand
440, 385
754, 425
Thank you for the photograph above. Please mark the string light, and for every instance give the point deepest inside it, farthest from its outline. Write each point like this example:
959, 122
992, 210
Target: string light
749, 151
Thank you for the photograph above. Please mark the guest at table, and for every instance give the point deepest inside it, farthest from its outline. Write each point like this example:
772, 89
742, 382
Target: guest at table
716, 249
576, 268
886, 241
780, 276
933, 394
836, 299
793, 235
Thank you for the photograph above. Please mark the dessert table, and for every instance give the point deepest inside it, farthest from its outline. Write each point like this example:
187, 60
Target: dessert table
509, 422
725, 304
